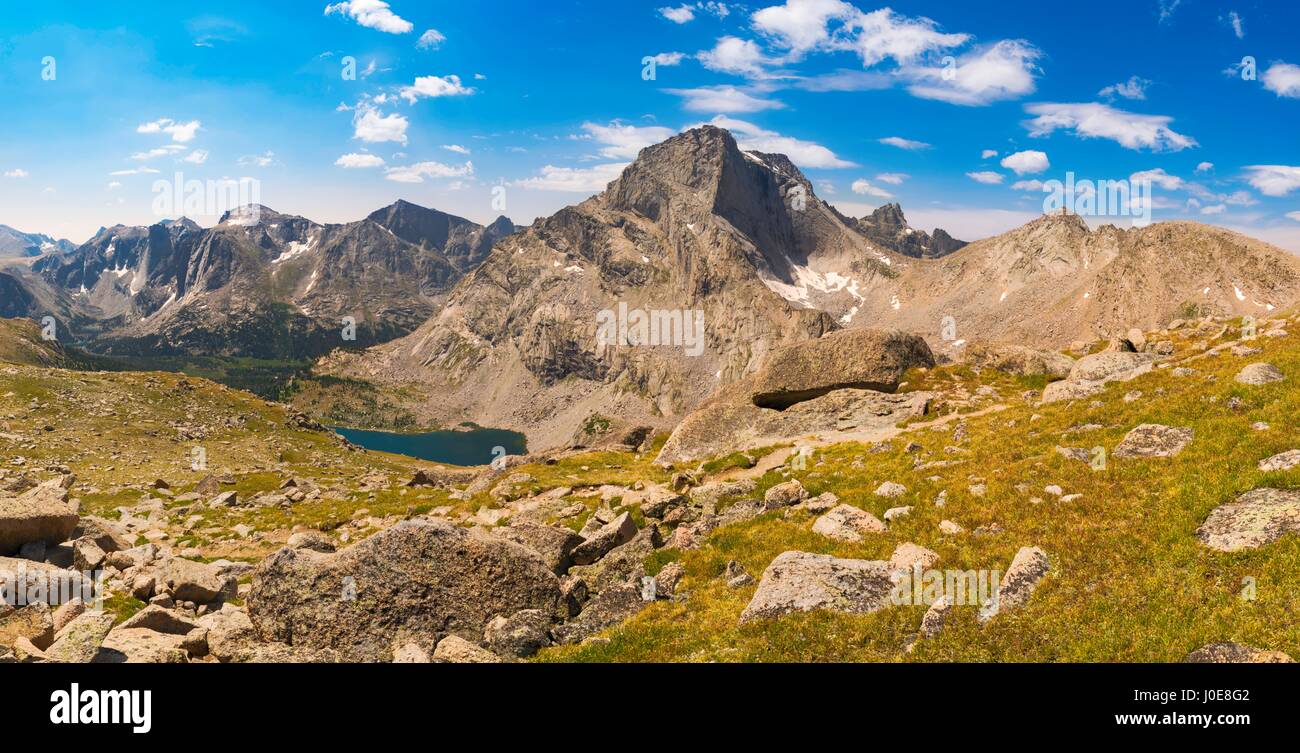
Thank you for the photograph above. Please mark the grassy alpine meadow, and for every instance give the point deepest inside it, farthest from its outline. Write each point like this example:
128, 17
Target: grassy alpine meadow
1129, 580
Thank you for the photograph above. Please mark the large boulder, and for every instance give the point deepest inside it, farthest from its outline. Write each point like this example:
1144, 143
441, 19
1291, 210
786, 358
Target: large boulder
553, 543
43, 513
1154, 441
1258, 517
864, 359
424, 578
1111, 367
80, 641
1029, 566
804, 582
37, 581
1260, 373
731, 422
201, 583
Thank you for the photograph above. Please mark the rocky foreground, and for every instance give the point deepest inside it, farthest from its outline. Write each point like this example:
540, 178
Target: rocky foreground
1143, 487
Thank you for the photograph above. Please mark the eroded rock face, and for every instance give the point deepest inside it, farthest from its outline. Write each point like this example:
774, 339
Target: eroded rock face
1235, 653
864, 359
426, 578
803, 582
1154, 441
1258, 517
41, 514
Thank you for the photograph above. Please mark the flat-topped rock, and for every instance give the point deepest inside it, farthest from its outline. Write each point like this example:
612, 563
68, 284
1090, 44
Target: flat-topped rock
1153, 441
1256, 518
804, 582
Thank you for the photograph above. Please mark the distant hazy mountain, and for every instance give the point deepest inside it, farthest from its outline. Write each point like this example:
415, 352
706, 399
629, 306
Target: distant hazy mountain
261, 283
16, 243
888, 227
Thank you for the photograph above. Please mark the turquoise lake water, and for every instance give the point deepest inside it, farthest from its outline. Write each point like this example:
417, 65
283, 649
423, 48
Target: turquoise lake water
470, 447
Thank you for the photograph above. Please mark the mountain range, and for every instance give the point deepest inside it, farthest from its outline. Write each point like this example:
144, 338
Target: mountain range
15, 243
259, 283
697, 224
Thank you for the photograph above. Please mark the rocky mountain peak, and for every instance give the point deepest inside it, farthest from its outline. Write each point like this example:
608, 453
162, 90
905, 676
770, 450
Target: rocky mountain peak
888, 216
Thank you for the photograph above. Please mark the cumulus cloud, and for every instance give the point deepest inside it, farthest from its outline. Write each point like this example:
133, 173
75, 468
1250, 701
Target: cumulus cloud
1205, 167
893, 179
668, 59
802, 153
355, 160
864, 187
1095, 120
986, 177
1273, 180
800, 25
679, 15
1024, 163
17, 172
1283, 79
372, 126
197, 157
1159, 177
1033, 186
372, 14
431, 39
1294, 216
180, 132
902, 143
735, 55
988, 154
586, 180
1134, 88
624, 141
1002, 71
435, 86
419, 171
724, 99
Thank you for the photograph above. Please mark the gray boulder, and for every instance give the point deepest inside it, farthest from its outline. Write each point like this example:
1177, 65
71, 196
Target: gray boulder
43, 513
1256, 518
1260, 373
1153, 441
424, 577
803, 582
862, 359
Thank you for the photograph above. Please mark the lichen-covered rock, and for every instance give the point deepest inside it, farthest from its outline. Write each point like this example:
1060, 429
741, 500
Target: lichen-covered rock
784, 495
43, 513
804, 582
555, 545
424, 577
1256, 518
618, 531
1281, 462
1154, 441
1028, 567
80, 641
1260, 373
1017, 359
848, 523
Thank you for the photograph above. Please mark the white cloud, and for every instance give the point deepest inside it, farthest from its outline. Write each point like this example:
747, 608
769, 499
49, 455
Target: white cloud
988, 154
1159, 177
625, 141
986, 177
17, 172
734, 55
1134, 88
257, 160
1095, 120
457, 148
669, 59
1238, 24
1214, 209
1002, 71
435, 86
802, 153
197, 157
113, 185
135, 171
679, 15
1273, 180
1294, 216
1205, 167
356, 160
723, 99
418, 172
587, 180
1027, 162
1283, 79
1167, 8
885, 34
1033, 186
903, 143
372, 127
180, 132
893, 179
372, 14
864, 187
161, 151
800, 25
431, 39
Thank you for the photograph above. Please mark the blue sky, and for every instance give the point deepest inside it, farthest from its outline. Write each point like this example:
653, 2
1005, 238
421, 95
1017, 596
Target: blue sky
952, 109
